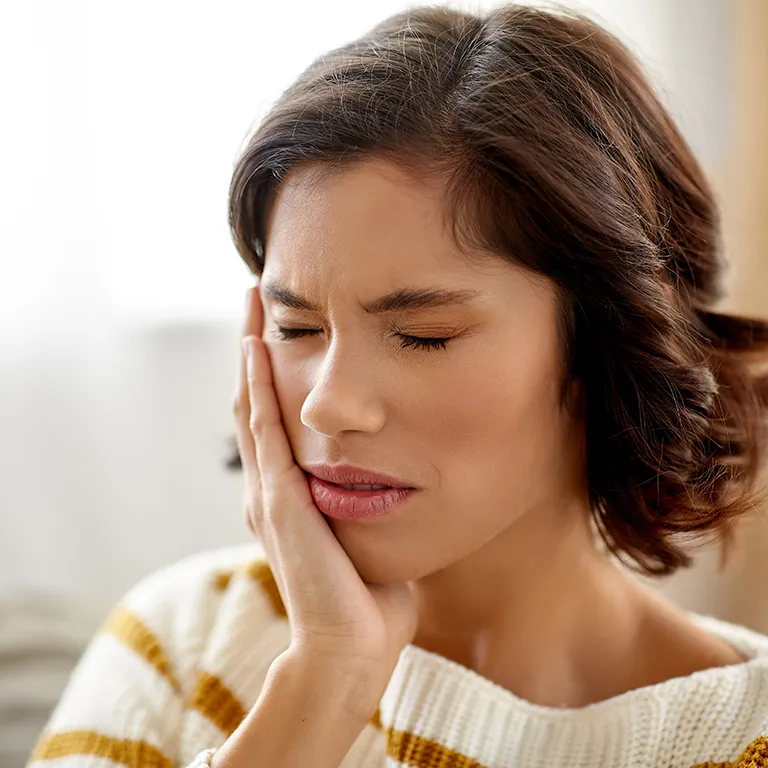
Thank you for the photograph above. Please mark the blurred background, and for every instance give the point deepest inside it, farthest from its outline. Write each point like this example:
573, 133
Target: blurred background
121, 292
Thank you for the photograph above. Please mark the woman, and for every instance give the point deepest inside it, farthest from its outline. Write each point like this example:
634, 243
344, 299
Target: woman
487, 268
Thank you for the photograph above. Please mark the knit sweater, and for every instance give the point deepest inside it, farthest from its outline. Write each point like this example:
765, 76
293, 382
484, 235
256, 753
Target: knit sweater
184, 654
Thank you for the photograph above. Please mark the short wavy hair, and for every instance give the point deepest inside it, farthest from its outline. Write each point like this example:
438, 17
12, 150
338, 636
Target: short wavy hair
556, 154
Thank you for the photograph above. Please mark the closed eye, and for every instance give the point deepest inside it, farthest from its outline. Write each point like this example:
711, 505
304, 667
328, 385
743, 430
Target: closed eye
406, 341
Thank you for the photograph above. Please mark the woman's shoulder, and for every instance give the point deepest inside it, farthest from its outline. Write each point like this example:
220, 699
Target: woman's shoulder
741, 686
176, 665
212, 568
193, 584
178, 607
748, 641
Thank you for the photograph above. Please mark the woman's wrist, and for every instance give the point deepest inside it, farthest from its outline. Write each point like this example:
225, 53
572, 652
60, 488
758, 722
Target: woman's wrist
306, 714
353, 684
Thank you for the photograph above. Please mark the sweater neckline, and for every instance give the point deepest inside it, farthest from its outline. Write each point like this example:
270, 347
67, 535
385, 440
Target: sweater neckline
752, 645
439, 712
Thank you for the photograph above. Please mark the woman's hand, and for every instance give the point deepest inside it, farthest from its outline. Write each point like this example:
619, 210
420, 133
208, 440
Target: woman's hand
336, 619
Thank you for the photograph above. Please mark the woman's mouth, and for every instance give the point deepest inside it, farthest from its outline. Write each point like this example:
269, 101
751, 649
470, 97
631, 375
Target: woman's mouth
351, 501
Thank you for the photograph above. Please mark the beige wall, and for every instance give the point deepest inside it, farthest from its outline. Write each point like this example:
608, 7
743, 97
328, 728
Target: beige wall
745, 208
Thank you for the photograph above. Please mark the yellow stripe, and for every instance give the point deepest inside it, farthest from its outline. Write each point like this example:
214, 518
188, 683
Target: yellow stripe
133, 633
417, 751
754, 756
402, 746
212, 699
136, 754
222, 579
215, 701
260, 572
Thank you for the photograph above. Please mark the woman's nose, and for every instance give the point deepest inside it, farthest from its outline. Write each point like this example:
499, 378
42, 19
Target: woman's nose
344, 397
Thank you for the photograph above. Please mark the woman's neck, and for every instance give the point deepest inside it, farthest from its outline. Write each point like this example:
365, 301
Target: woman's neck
541, 612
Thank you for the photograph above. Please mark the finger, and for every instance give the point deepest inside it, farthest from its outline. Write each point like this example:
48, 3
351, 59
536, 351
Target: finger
277, 469
272, 464
252, 325
253, 319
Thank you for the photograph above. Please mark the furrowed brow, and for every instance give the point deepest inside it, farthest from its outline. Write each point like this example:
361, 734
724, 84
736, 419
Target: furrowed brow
402, 300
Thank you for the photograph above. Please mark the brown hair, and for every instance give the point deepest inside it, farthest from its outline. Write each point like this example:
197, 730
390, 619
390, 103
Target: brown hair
555, 153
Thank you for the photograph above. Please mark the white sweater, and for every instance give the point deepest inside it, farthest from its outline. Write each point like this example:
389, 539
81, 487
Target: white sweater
184, 655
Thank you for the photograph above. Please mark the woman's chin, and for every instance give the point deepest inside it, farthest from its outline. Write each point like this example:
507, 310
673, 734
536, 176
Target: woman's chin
388, 568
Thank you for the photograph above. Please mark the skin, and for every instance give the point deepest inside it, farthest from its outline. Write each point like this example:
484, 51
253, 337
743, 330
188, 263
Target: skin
492, 563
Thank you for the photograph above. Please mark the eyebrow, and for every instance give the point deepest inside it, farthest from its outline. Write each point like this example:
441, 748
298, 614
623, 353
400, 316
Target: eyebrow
402, 300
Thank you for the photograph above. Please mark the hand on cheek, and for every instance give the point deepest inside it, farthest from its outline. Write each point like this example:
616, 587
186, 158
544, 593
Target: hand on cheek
335, 617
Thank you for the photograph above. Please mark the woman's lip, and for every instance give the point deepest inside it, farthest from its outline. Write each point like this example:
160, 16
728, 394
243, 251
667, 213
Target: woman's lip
348, 474
344, 504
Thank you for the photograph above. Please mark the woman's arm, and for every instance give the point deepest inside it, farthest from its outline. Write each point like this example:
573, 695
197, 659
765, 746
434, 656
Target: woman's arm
307, 715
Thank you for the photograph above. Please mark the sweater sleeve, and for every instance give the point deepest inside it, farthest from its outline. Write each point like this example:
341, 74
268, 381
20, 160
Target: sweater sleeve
126, 698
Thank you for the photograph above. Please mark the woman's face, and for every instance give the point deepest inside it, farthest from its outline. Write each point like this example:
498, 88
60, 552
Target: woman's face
477, 427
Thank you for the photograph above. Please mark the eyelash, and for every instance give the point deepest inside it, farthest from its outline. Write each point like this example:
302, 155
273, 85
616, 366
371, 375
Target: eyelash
414, 342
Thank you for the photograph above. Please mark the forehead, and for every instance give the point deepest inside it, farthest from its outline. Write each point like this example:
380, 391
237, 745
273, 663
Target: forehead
372, 215
371, 229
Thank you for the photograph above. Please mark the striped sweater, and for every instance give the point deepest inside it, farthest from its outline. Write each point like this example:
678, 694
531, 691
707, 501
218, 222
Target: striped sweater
184, 655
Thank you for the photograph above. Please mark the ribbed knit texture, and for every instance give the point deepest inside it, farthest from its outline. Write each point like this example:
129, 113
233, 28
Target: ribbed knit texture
184, 655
